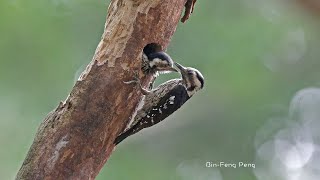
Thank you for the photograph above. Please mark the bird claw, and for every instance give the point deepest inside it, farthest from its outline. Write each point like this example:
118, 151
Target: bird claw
137, 81
136, 76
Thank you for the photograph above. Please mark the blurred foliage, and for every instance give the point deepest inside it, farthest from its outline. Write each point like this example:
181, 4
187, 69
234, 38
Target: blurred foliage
255, 55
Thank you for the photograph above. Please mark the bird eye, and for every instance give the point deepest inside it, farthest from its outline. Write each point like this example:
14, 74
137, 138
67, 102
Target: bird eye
190, 72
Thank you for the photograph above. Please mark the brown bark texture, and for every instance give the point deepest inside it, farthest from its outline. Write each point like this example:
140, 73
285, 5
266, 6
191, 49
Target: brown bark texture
75, 140
312, 6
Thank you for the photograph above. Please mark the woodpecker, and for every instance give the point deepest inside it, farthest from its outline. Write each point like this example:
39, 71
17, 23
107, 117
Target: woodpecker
164, 100
157, 62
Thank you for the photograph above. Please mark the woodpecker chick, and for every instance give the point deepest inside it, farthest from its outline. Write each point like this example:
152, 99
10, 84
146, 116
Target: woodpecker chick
161, 102
157, 62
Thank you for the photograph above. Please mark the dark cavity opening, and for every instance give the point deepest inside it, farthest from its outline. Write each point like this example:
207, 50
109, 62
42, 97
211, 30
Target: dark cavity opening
152, 48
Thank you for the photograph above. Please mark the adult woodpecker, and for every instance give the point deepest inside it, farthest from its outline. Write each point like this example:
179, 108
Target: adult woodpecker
161, 102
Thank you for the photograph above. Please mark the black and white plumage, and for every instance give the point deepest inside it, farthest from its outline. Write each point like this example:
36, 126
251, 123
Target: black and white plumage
157, 62
161, 102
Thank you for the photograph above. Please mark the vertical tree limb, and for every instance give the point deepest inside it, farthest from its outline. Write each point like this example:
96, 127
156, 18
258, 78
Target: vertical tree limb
76, 139
312, 6
189, 7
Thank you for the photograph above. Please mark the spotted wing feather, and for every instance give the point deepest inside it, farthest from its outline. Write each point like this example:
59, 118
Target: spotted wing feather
172, 101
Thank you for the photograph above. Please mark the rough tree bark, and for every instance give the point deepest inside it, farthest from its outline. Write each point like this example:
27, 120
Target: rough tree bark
312, 6
76, 139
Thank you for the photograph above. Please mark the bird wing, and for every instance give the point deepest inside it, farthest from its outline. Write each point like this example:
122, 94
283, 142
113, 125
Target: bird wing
170, 102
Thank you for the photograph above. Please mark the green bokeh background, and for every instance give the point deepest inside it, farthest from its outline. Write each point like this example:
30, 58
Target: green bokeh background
255, 55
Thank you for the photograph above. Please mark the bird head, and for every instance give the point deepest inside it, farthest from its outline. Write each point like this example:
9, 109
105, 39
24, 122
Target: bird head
192, 79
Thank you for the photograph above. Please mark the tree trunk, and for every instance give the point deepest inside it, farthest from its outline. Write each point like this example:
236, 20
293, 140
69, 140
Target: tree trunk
76, 139
312, 6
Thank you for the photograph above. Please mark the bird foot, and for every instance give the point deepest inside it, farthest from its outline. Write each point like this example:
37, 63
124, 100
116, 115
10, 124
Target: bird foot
136, 80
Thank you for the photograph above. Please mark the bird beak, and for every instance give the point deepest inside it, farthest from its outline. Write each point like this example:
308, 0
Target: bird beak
173, 69
181, 68
167, 70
